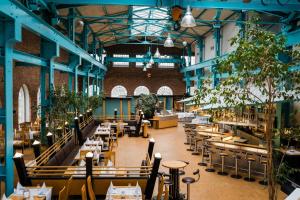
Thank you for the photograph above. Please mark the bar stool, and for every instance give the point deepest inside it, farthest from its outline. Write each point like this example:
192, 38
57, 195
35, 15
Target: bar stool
187, 131
192, 137
181, 171
264, 162
190, 180
250, 159
222, 172
204, 155
210, 167
236, 157
196, 141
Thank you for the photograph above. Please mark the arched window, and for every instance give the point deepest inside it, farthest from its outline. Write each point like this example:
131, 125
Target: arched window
38, 102
141, 90
118, 91
91, 93
23, 105
165, 91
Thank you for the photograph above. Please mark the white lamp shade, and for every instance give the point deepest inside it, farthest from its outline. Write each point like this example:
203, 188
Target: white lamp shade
151, 61
169, 41
188, 19
157, 54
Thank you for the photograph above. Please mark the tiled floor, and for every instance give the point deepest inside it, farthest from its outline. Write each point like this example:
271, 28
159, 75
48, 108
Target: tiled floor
169, 142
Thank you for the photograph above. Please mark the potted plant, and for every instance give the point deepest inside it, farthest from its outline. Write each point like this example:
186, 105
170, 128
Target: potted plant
147, 104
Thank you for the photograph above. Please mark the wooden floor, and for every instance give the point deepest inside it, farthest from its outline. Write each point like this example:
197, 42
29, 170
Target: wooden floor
169, 142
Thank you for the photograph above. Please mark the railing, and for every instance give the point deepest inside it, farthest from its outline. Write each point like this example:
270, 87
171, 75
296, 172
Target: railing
114, 117
49, 153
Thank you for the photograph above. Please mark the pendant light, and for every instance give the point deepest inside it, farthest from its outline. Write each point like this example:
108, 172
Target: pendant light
151, 61
169, 41
157, 54
188, 19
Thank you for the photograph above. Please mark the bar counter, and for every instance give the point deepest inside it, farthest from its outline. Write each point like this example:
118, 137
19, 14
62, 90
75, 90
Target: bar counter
164, 121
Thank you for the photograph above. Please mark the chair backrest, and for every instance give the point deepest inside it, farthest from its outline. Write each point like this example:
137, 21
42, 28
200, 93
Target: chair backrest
90, 189
69, 185
83, 192
110, 155
62, 195
166, 193
160, 187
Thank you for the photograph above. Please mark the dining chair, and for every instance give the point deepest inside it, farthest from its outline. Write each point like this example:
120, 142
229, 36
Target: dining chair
110, 155
62, 195
91, 193
160, 190
83, 192
69, 183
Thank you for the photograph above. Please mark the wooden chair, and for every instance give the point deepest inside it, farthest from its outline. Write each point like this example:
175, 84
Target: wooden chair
91, 193
69, 185
62, 195
110, 155
163, 190
83, 192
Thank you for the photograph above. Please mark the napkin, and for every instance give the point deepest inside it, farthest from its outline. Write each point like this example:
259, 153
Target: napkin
82, 163
43, 189
137, 189
19, 188
3, 197
110, 189
109, 163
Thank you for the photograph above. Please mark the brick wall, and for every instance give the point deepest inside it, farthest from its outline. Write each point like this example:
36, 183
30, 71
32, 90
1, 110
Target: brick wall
133, 77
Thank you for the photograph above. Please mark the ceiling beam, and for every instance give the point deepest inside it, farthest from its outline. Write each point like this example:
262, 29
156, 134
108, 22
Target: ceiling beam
292, 5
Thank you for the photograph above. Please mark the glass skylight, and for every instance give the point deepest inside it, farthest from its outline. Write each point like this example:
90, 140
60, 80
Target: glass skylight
148, 21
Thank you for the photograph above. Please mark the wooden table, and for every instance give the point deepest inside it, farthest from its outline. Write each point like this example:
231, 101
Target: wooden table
174, 166
124, 192
34, 194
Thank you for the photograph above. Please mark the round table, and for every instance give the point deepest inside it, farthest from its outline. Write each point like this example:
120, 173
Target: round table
174, 166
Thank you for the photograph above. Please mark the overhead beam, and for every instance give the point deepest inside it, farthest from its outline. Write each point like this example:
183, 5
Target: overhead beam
28, 20
133, 60
292, 5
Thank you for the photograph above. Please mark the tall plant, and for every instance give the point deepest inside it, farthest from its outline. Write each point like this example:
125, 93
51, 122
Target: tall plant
260, 71
147, 104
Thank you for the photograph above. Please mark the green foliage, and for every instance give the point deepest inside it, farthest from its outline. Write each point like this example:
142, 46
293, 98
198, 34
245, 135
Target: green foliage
147, 104
65, 105
260, 71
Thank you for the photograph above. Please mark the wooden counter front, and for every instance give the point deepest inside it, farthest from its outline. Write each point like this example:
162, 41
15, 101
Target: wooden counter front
165, 121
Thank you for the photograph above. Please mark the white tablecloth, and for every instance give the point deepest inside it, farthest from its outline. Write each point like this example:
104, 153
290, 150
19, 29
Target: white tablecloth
128, 192
47, 192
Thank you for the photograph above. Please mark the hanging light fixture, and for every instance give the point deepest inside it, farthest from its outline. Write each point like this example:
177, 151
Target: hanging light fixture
188, 19
169, 41
151, 61
157, 54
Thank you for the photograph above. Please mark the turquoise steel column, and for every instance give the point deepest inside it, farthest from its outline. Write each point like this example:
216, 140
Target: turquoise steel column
189, 52
241, 23
49, 51
10, 34
74, 63
71, 24
187, 82
217, 40
200, 46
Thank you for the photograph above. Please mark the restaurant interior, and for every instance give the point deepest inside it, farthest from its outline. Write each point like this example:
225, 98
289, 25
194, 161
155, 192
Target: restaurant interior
149, 99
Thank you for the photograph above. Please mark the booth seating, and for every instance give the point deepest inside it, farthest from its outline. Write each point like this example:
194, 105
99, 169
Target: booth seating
85, 126
131, 127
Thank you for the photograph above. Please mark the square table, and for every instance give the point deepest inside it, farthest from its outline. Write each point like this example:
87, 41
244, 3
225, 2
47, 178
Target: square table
124, 192
34, 193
